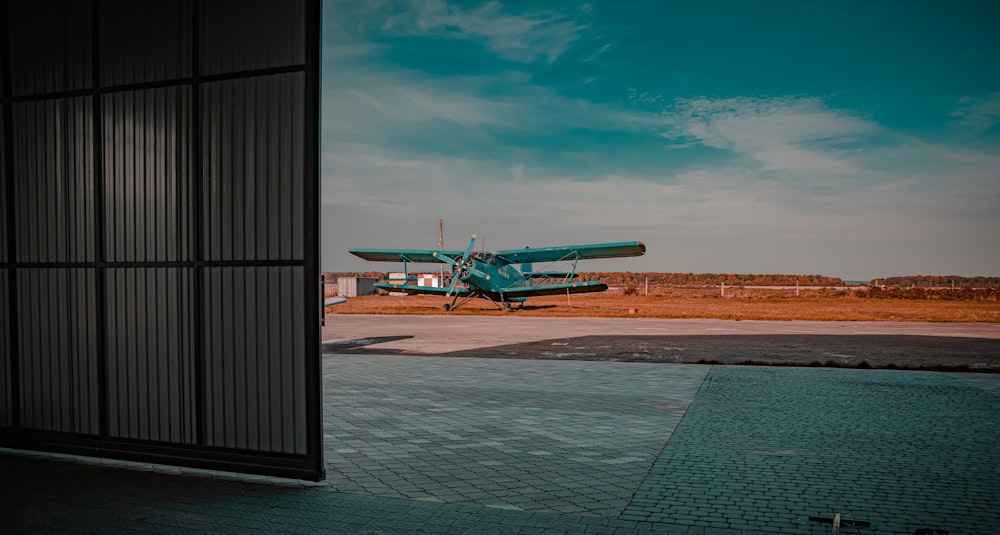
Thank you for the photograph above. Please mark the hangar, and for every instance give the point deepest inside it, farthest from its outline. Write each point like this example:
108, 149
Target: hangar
159, 236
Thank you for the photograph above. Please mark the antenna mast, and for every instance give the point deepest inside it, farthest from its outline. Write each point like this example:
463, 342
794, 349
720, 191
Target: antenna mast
441, 248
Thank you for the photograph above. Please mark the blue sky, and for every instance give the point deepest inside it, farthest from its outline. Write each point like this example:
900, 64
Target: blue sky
849, 139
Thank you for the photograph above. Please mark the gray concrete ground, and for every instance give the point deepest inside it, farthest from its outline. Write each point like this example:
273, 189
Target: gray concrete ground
516, 446
934, 346
442, 334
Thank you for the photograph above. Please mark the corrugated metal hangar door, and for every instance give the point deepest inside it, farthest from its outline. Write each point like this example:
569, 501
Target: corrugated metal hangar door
159, 290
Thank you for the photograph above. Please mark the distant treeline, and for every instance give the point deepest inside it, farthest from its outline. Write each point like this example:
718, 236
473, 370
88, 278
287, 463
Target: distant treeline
958, 293
618, 278
362, 274
937, 281
711, 279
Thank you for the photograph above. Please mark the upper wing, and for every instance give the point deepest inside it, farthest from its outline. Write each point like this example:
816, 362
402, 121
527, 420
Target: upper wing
403, 255
573, 252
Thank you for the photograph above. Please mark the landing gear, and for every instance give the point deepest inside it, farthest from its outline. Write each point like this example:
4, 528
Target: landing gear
503, 304
456, 303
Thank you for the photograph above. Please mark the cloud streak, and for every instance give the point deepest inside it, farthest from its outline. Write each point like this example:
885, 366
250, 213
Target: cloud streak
527, 37
978, 115
779, 134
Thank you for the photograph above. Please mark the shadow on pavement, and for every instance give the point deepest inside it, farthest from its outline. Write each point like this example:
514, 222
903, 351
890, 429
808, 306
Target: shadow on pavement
349, 345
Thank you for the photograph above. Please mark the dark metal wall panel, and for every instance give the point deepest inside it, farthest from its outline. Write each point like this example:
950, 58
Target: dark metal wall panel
252, 198
6, 382
6, 417
160, 188
244, 35
150, 351
50, 42
58, 350
254, 328
54, 180
3, 190
147, 175
144, 41
5, 375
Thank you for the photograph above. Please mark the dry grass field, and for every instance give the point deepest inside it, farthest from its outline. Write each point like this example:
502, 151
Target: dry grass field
817, 306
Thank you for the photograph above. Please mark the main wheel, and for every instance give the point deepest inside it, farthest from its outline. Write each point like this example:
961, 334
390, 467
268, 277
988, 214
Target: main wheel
447, 307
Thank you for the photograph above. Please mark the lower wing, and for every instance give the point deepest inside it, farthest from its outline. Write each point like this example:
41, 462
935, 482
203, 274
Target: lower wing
555, 289
416, 290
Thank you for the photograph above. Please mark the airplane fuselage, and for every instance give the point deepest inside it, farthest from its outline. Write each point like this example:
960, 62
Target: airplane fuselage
499, 276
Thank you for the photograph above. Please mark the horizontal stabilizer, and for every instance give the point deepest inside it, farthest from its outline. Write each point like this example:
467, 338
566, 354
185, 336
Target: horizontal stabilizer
550, 275
330, 301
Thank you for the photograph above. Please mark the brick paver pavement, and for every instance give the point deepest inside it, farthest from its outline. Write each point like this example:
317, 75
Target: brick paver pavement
763, 449
561, 437
438, 445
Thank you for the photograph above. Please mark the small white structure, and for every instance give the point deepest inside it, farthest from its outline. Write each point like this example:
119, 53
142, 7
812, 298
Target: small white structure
401, 278
428, 279
355, 286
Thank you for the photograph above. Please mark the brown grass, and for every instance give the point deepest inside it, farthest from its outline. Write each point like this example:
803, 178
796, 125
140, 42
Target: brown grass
817, 308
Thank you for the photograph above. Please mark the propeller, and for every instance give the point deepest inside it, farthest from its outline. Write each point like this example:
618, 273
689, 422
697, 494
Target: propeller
462, 269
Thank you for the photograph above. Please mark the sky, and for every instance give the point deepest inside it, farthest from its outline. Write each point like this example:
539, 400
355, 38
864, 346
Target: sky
856, 139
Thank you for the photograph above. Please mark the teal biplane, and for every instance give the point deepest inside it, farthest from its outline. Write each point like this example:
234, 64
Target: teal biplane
493, 275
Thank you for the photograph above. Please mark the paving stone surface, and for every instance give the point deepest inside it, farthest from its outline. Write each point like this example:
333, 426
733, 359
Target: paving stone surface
765, 449
561, 437
43, 494
459, 445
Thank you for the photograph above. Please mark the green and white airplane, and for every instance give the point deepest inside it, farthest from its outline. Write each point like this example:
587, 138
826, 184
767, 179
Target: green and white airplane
493, 276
